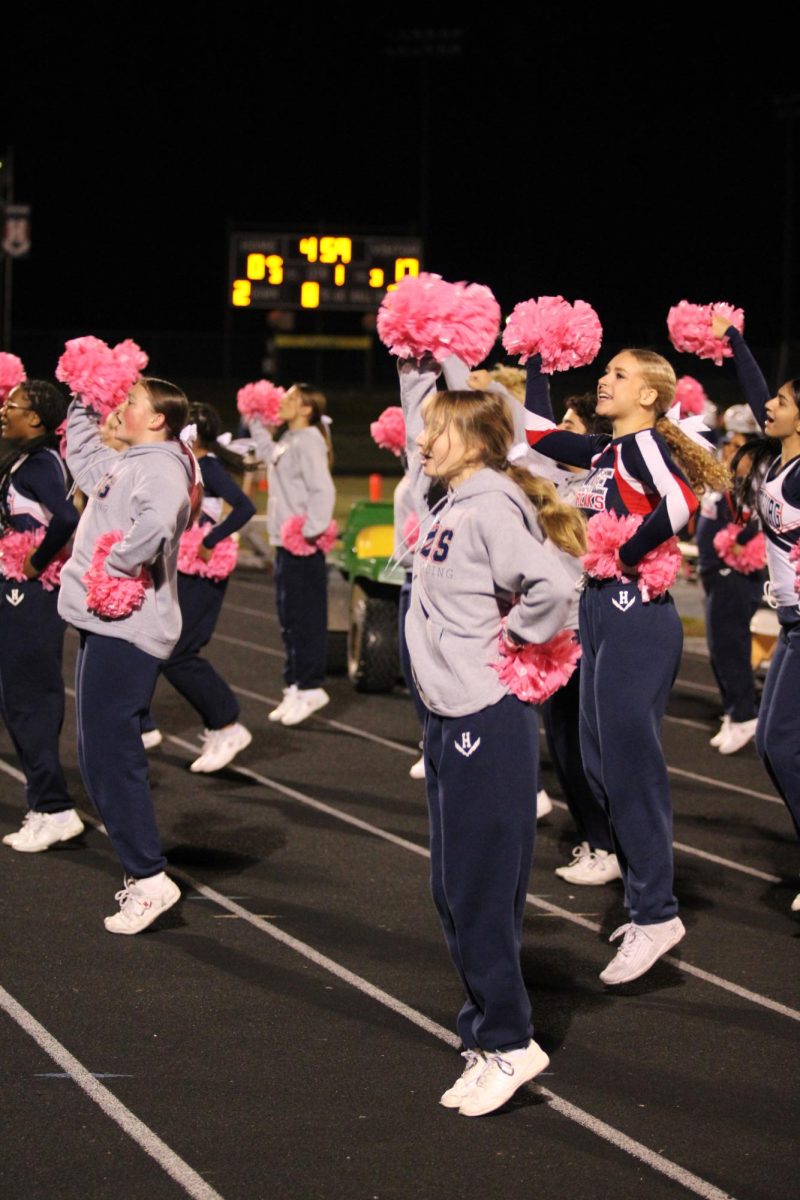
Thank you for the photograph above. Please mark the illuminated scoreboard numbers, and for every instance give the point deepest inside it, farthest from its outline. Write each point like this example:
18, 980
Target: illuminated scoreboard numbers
376, 277
265, 266
309, 294
240, 297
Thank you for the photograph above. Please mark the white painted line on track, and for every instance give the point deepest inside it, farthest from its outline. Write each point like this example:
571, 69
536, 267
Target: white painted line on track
249, 612
705, 688
703, 726
725, 787
221, 637
12, 771
178, 1170
535, 901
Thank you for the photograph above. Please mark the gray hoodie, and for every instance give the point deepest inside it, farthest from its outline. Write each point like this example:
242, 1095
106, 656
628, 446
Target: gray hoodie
299, 478
145, 493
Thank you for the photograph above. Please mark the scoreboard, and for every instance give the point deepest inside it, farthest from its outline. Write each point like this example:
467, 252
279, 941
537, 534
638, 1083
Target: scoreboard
345, 272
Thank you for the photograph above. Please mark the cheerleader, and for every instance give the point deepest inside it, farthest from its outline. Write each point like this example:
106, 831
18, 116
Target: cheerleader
146, 495
300, 484
480, 549
33, 486
778, 729
201, 597
632, 647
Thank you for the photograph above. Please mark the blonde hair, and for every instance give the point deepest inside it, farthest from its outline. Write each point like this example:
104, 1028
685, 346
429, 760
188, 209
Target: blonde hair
703, 470
484, 424
511, 378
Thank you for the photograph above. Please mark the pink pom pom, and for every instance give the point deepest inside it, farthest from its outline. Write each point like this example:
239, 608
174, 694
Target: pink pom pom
132, 357
794, 556
12, 372
744, 557
102, 377
261, 399
427, 315
691, 396
659, 568
15, 548
690, 330
109, 597
61, 432
389, 431
566, 335
656, 571
219, 566
535, 671
292, 538
411, 531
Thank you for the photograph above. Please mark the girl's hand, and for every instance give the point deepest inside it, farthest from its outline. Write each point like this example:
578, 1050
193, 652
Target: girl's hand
28, 570
204, 552
719, 326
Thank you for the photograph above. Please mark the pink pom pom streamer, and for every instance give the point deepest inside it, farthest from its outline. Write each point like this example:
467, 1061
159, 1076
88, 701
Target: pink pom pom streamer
15, 548
411, 531
745, 557
535, 671
691, 395
102, 377
427, 315
656, 571
794, 556
292, 538
107, 596
12, 372
261, 399
389, 431
223, 556
690, 330
566, 335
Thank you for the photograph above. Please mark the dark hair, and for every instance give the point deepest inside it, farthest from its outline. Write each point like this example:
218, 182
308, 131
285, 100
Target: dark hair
168, 400
584, 407
761, 451
50, 405
209, 427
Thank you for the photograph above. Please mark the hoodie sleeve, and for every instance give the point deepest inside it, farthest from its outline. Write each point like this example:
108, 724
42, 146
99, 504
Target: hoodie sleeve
417, 380
87, 458
264, 442
160, 510
321, 494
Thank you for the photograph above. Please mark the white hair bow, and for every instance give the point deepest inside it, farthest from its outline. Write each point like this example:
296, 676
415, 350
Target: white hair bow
693, 427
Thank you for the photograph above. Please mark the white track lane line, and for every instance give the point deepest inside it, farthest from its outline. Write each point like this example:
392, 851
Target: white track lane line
250, 612
535, 901
178, 1170
725, 787
232, 641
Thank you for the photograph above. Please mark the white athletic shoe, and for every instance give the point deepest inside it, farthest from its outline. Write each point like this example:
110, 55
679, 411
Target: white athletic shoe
152, 738
220, 746
455, 1096
417, 770
642, 946
505, 1072
719, 736
796, 903
305, 702
738, 734
591, 869
41, 830
139, 907
280, 710
579, 855
544, 805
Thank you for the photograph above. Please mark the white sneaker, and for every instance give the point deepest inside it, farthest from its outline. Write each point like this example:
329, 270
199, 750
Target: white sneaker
642, 946
138, 909
152, 738
455, 1096
417, 771
738, 734
544, 805
305, 702
40, 830
505, 1072
220, 746
795, 902
280, 711
592, 869
579, 855
719, 736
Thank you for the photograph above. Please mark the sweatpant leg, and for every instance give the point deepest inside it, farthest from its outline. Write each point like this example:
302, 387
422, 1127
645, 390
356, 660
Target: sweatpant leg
289, 667
304, 616
114, 686
778, 730
32, 689
194, 677
731, 601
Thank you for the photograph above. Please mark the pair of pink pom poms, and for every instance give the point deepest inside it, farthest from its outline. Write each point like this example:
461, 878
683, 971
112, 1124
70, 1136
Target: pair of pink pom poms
389, 431
656, 571
565, 335
12, 372
427, 315
744, 557
534, 671
261, 399
15, 548
109, 597
293, 539
690, 329
99, 374
219, 566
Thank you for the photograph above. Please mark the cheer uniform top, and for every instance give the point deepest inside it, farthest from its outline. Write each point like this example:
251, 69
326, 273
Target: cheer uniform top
35, 496
218, 487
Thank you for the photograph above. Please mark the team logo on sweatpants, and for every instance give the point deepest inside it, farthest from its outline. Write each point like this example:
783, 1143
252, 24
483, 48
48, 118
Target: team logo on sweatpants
625, 602
466, 745
16, 597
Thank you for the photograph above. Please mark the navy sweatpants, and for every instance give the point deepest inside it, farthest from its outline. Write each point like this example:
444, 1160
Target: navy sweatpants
631, 654
114, 683
731, 600
481, 775
301, 592
194, 677
32, 689
778, 729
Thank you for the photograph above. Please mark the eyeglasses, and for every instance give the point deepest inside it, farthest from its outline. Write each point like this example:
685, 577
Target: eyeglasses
11, 404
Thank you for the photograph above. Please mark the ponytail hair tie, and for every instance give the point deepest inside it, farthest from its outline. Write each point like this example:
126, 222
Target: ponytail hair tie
326, 420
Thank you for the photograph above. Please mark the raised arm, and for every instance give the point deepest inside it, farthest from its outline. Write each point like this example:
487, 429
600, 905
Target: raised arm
87, 457
264, 442
751, 380
417, 381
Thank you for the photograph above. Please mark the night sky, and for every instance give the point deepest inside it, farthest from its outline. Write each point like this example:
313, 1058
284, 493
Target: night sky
628, 165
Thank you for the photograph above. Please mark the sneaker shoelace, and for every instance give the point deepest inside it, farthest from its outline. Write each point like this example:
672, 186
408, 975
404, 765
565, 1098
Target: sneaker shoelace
126, 899
494, 1063
631, 932
32, 822
471, 1059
